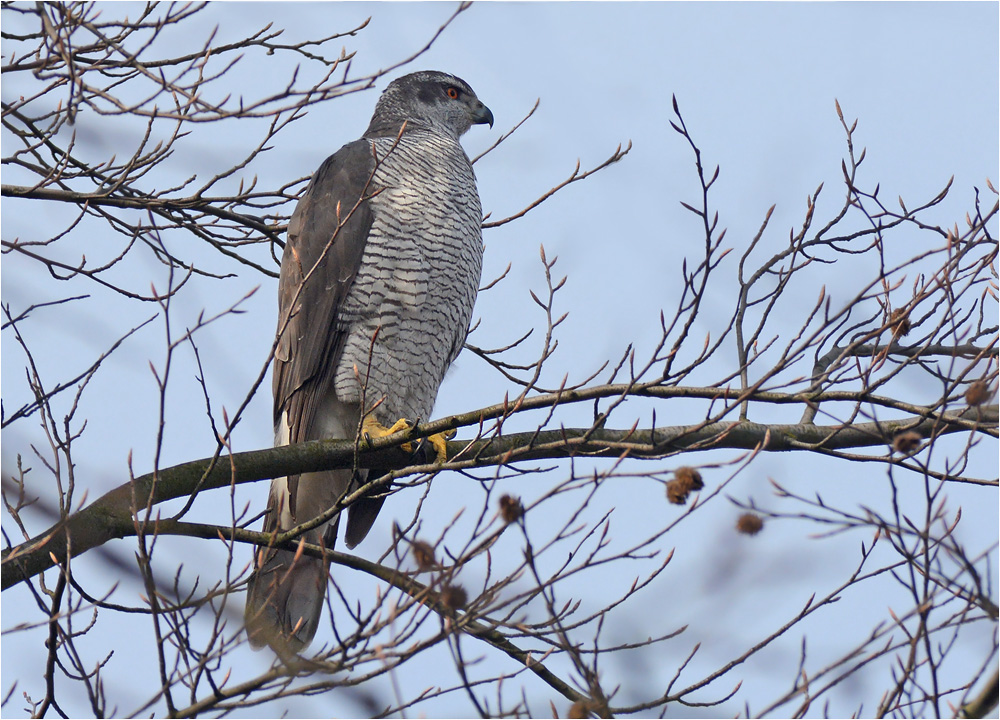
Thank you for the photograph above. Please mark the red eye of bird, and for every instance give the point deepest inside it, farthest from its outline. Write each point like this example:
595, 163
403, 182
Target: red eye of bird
453, 93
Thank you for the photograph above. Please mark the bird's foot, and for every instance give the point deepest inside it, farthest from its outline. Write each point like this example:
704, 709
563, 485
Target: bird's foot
370, 427
439, 441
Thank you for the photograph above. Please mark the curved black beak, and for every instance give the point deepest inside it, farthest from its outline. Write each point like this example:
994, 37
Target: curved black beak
482, 115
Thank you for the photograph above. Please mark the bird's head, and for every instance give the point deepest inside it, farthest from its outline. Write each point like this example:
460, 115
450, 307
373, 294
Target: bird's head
429, 99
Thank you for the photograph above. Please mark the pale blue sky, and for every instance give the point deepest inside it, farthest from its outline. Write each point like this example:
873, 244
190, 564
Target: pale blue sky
756, 83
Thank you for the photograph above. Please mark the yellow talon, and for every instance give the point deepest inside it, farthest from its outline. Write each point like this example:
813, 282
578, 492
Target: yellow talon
440, 443
370, 427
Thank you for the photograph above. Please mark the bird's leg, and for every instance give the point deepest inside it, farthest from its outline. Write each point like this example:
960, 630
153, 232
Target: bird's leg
370, 427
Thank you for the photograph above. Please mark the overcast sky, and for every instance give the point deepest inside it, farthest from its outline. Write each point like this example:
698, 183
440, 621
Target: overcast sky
756, 83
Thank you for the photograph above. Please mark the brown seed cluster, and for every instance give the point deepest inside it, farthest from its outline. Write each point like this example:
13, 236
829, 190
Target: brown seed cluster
749, 524
899, 320
511, 509
423, 554
978, 393
686, 480
675, 494
454, 597
907, 442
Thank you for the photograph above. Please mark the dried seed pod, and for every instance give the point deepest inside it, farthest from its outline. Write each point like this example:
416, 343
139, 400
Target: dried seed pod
511, 509
749, 523
978, 393
690, 477
899, 319
907, 442
454, 597
686, 480
423, 555
677, 493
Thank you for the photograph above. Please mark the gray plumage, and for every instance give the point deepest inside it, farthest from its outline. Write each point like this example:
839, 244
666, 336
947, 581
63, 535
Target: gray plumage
386, 243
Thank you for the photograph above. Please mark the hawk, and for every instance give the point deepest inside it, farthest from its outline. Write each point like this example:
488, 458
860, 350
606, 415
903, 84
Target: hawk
378, 280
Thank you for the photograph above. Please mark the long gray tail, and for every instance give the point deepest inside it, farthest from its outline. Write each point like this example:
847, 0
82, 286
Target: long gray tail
285, 595
285, 600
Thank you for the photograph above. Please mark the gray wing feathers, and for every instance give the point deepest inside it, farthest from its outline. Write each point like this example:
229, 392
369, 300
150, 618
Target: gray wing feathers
321, 258
314, 240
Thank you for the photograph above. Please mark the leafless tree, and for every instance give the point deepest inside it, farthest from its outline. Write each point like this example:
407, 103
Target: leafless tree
824, 373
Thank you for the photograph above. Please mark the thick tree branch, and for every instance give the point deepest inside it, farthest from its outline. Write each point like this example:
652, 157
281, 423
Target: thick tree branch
112, 516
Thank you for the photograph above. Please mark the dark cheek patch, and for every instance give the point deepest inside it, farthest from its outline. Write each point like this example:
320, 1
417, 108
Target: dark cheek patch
428, 93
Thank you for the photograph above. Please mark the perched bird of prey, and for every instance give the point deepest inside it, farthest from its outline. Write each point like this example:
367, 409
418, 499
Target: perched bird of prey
378, 280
